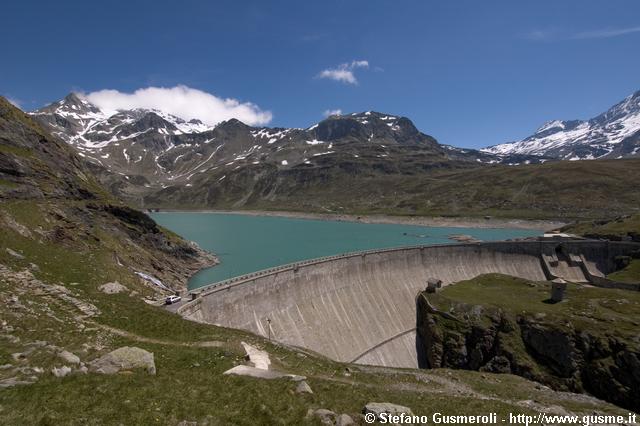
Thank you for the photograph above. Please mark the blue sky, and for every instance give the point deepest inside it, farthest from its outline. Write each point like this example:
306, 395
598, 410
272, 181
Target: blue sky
471, 73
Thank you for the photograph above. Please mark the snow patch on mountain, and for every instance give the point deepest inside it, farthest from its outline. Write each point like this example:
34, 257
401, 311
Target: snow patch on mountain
613, 133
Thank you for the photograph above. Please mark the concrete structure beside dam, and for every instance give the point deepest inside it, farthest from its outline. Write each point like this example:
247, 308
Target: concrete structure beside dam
360, 307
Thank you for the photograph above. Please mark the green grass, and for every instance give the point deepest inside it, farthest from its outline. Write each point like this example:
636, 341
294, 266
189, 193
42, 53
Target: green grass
589, 308
189, 385
630, 274
8, 183
619, 227
15, 150
560, 190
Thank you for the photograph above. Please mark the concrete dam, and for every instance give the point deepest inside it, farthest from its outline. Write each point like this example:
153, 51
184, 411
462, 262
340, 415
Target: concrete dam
360, 307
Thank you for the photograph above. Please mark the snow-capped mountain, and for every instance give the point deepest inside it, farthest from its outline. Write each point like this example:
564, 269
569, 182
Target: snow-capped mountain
613, 134
84, 125
156, 149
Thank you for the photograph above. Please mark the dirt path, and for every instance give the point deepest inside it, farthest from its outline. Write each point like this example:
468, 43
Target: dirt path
132, 336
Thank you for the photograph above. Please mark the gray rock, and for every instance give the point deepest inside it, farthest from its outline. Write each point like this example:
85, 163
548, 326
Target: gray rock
19, 356
61, 372
112, 288
344, 420
12, 339
125, 358
14, 381
259, 373
14, 253
498, 364
53, 348
378, 408
326, 416
69, 357
5, 366
303, 387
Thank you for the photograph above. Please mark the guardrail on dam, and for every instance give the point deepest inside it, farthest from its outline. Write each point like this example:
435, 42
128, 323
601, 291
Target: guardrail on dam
360, 307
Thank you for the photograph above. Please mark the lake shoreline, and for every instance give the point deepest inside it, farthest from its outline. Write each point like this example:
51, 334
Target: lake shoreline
449, 222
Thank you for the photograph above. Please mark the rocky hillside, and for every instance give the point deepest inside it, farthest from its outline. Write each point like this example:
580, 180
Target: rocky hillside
561, 190
612, 134
50, 199
165, 149
502, 324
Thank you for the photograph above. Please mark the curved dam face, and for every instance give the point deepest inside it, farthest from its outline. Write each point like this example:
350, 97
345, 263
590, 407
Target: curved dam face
361, 307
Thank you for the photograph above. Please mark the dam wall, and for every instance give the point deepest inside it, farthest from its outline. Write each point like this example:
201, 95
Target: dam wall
360, 307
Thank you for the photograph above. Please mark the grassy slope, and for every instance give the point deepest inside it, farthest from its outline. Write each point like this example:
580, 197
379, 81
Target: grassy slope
559, 190
630, 274
613, 229
589, 308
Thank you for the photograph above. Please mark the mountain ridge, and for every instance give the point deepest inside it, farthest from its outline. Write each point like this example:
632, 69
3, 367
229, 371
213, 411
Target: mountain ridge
614, 133
358, 163
140, 151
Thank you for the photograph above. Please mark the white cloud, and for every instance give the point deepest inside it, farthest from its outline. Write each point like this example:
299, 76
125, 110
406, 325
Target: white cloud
541, 35
606, 33
344, 76
344, 73
331, 112
358, 64
181, 101
553, 34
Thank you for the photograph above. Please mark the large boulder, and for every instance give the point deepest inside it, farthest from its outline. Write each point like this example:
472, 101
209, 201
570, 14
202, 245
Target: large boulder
112, 288
303, 387
61, 372
124, 359
344, 420
69, 357
379, 408
327, 417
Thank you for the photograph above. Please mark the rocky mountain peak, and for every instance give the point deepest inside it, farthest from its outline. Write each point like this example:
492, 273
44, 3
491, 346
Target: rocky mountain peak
72, 104
232, 123
150, 119
72, 98
555, 126
368, 126
629, 106
613, 134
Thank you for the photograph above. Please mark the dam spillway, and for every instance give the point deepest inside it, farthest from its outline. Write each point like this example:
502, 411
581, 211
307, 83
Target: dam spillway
360, 307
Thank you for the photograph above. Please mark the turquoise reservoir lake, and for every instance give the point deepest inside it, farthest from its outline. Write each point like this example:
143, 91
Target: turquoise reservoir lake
247, 243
